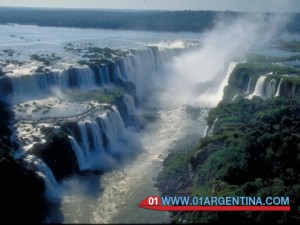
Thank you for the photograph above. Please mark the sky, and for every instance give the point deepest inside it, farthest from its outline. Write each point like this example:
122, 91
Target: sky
218, 5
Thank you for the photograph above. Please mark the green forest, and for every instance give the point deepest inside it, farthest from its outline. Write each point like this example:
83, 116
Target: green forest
253, 151
173, 21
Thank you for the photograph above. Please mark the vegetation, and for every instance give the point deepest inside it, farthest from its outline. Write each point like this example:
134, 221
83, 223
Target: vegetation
194, 21
108, 96
46, 59
254, 151
293, 46
113, 96
93, 55
240, 77
175, 175
9, 52
271, 59
187, 20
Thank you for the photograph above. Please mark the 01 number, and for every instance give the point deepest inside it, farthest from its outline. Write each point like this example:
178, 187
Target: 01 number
153, 200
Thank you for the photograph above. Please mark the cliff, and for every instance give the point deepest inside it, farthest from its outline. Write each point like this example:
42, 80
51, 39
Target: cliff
252, 149
22, 190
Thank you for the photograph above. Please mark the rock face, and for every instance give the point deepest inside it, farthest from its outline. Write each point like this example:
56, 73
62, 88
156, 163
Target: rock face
21, 189
57, 153
199, 158
21, 195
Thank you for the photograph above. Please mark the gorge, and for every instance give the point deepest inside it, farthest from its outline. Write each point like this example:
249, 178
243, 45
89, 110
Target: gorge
98, 123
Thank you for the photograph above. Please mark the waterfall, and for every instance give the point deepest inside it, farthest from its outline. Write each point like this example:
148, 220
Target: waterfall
278, 89
271, 88
112, 124
45, 172
86, 78
129, 102
249, 85
81, 159
209, 130
39, 85
294, 91
259, 87
212, 128
205, 131
86, 148
84, 141
234, 97
138, 66
265, 88
97, 137
224, 83
103, 73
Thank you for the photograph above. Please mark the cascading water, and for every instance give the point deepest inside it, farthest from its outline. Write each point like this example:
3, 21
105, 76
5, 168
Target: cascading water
224, 83
266, 88
205, 132
209, 130
125, 187
130, 105
271, 88
97, 137
139, 67
278, 89
45, 172
81, 159
38, 85
249, 85
259, 87
294, 91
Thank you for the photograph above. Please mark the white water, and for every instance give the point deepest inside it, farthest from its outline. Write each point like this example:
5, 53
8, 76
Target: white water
259, 87
89, 146
45, 172
205, 132
145, 62
148, 52
81, 159
130, 106
265, 88
249, 85
125, 188
278, 89
224, 83
212, 98
234, 97
271, 88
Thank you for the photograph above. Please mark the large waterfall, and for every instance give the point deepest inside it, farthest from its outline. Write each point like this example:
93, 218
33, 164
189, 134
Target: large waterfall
259, 87
278, 89
45, 172
130, 105
249, 85
138, 66
95, 138
220, 91
265, 87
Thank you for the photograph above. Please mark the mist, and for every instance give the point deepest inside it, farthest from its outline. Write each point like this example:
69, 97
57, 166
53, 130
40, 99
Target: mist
197, 77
